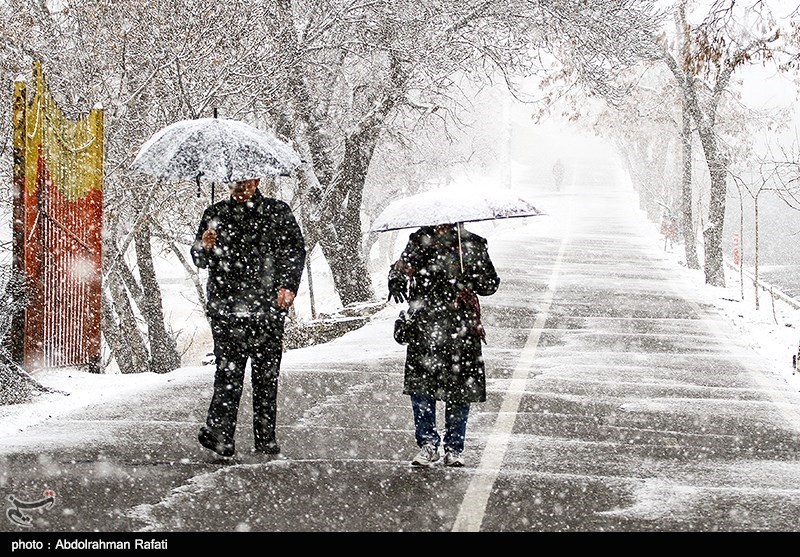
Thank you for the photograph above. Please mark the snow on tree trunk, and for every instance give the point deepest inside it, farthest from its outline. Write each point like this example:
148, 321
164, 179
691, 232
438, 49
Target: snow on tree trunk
687, 212
16, 385
119, 320
712, 235
164, 356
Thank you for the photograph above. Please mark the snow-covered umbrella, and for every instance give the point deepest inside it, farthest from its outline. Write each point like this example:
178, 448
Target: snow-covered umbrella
454, 205
215, 149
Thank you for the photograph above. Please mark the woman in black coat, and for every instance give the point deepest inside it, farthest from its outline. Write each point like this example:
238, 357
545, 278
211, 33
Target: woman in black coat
441, 272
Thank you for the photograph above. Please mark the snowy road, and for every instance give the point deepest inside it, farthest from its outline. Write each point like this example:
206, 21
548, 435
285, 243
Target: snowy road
619, 399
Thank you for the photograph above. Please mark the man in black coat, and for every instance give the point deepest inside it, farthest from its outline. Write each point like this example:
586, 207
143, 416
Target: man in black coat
254, 251
442, 271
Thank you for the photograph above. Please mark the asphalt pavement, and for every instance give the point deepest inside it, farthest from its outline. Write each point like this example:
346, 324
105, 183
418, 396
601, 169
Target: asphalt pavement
619, 399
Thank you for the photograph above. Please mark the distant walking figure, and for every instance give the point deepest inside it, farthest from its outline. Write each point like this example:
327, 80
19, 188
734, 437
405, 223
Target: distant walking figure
669, 229
558, 174
441, 273
254, 251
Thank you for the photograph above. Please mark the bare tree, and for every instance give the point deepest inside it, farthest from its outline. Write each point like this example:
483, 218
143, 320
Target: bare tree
785, 159
148, 67
359, 65
776, 171
703, 63
759, 180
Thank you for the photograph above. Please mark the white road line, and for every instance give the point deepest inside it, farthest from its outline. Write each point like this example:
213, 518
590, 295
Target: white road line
473, 507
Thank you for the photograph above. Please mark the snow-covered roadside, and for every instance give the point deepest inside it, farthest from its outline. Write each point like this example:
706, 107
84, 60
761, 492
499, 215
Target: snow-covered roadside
772, 330
76, 389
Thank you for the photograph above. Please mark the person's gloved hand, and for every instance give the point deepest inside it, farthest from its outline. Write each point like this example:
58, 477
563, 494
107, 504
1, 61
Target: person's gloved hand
397, 288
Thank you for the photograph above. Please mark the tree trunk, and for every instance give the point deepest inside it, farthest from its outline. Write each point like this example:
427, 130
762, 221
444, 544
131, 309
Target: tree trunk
718, 171
741, 247
712, 235
129, 280
16, 385
332, 199
341, 238
687, 212
133, 358
348, 268
354, 278
685, 78
164, 355
755, 258
338, 230
116, 339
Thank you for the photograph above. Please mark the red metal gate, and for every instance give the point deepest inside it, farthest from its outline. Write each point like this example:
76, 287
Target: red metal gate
58, 215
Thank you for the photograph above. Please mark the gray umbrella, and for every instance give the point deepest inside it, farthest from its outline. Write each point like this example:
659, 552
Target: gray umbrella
217, 149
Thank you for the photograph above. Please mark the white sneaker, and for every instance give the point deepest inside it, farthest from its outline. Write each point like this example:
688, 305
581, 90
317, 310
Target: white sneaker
426, 456
454, 459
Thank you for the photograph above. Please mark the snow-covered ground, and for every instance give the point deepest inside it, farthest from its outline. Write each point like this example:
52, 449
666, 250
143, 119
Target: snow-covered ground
773, 331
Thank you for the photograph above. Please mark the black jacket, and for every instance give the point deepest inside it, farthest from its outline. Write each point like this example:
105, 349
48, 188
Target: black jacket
444, 356
260, 248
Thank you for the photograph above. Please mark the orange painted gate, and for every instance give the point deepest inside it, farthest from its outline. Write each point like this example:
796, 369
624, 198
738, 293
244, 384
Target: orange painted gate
57, 231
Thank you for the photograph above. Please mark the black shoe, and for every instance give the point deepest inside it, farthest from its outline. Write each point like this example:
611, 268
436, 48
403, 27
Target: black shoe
210, 441
268, 448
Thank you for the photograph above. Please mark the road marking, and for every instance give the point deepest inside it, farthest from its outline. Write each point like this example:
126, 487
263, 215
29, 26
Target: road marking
473, 507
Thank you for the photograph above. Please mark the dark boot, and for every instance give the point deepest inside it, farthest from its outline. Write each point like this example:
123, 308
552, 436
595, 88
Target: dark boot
268, 447
212, 441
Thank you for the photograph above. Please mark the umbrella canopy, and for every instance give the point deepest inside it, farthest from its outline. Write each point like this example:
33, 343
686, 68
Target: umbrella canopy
453, 205
217, 149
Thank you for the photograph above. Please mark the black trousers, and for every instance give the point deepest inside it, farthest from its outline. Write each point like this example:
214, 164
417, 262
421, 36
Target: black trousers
236, 340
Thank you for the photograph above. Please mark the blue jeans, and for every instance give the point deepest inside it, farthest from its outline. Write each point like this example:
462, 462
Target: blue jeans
455, 423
